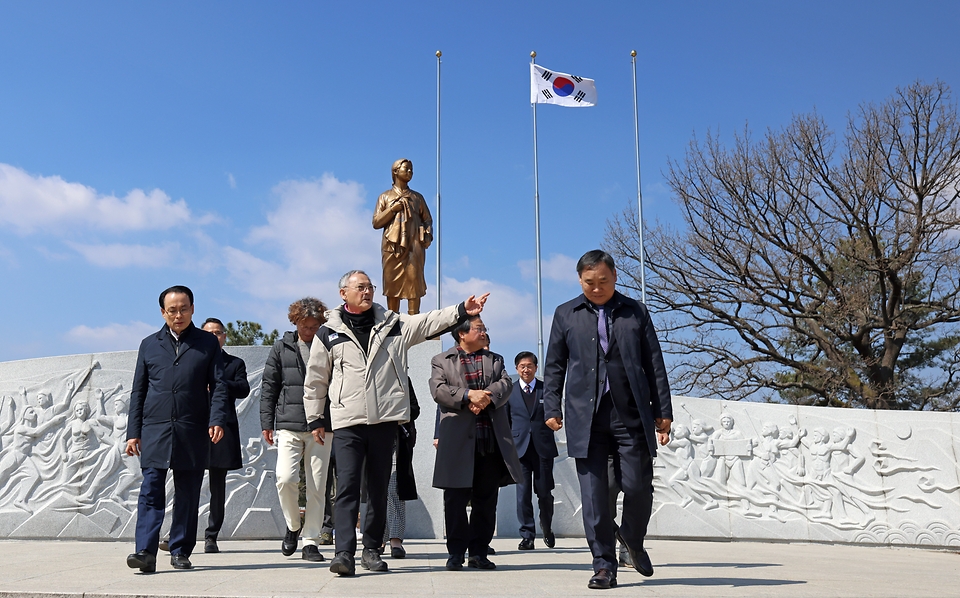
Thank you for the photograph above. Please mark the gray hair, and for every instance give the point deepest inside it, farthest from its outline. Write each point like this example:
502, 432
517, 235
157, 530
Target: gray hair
346, 277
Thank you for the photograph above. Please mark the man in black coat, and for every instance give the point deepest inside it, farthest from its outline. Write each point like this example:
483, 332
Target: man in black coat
537, 450
604, 346
224, 455
178, 404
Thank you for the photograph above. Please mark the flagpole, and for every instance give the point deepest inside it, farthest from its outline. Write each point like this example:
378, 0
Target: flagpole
636, 125
536, 210
436, 228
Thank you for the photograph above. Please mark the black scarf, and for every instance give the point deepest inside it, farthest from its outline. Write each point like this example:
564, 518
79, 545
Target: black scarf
360, 324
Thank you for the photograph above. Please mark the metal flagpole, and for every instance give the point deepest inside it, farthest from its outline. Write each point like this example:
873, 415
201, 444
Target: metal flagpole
536, 209
636, 123
436, 220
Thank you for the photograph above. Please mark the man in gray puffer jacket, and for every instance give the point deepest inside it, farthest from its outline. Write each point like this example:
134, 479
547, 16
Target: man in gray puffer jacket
358, 370
284, 421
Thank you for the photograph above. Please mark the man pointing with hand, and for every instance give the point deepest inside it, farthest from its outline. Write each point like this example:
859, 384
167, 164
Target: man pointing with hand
358, 362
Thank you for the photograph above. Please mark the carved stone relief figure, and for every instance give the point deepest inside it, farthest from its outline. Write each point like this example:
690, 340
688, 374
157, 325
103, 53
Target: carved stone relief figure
17, 465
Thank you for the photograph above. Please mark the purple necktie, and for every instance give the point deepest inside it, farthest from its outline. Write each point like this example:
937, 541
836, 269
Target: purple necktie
602, 329
604, 341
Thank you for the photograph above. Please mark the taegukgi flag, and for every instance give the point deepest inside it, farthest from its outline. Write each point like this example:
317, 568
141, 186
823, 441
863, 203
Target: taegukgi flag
550, 87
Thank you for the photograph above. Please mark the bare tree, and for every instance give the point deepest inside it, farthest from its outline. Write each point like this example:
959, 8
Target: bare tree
815, 268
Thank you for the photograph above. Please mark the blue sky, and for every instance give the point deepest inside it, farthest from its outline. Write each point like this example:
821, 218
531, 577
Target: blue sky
239, 147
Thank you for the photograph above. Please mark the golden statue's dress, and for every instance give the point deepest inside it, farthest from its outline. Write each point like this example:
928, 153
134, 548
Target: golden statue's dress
407, 226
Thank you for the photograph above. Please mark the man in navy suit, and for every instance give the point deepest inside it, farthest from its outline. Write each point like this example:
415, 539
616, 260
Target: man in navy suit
537, 450
178, 404
224, 455
604, 347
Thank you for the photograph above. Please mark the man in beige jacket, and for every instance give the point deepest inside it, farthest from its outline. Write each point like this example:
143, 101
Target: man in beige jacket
360, 366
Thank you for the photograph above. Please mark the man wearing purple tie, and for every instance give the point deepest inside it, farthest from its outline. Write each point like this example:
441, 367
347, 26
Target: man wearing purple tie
604, 347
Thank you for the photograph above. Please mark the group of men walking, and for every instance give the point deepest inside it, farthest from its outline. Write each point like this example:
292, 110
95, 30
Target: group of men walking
604, 382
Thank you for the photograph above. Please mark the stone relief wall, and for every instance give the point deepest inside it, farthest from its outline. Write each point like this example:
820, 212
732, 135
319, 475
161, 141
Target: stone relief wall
731, 470
63, 427
747, 470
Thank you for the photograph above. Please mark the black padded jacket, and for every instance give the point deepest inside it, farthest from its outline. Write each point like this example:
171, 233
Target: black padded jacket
281, 397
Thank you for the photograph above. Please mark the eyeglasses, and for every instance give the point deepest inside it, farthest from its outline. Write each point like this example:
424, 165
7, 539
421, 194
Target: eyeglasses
178, 312
480, 330
362, 288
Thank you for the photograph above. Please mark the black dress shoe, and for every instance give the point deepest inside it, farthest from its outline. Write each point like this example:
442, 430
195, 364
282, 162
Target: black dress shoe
143, 560
290, 541
491, 551
455, 562
312, 553
602, 580
210, 546
398, 552
342, 564
525, 544
639, 558
480, 562
549, 539
180, 561
371, 561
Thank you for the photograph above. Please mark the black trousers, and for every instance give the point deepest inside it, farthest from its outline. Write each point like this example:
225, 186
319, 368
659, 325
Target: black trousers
540, 469
153, 502
330, 496
474, 535
362, 450
218, 501
609, 436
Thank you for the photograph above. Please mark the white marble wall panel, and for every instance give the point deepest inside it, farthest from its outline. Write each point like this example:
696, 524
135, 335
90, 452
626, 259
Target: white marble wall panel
731, 470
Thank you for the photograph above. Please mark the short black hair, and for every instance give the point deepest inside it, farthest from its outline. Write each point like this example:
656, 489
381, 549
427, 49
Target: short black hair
177, 288
592, 258
525, 355
213, 321
461, 328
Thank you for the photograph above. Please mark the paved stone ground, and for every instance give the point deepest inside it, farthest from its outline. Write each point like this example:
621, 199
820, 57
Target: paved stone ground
257, 569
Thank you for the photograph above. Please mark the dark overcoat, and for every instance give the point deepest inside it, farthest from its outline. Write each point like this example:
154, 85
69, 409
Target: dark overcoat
529, 426
573, 358
406, 440
171, 409
226, 453
458, 425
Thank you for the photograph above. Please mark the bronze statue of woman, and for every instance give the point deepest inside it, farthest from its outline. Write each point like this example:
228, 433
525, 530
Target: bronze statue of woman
407, 226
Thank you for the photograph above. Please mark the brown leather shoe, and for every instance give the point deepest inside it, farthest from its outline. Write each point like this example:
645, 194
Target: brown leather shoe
603, 580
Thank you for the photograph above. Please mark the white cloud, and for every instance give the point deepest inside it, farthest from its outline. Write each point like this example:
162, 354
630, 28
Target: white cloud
112, 337
118, 255
320, 229
30, 203
510, 315
231, 181
558, 267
